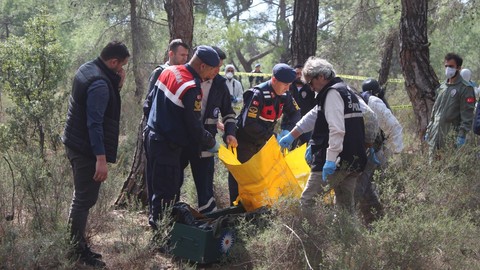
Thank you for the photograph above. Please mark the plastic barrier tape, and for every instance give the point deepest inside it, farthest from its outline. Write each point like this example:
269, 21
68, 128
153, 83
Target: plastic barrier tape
350, 77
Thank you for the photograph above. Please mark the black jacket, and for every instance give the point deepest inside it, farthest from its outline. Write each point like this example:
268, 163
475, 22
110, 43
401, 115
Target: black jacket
219, 102
305, 97
76, 132
151, 90
261, 110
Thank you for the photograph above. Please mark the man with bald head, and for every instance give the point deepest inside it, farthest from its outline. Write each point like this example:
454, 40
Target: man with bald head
174, 122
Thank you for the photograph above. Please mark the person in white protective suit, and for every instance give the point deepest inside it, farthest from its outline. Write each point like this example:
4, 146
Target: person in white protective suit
389, 140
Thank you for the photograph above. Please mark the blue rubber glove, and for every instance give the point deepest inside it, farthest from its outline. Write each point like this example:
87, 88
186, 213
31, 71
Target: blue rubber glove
215, 148
286, 141
460, 141
328, 169
373, 157
308, 154
235, 100
282, 134
425, 138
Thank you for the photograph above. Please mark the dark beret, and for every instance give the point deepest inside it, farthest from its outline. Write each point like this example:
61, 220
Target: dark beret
284, 73
208, 55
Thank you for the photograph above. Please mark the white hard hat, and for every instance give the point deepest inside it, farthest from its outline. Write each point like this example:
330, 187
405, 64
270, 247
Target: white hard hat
466, 74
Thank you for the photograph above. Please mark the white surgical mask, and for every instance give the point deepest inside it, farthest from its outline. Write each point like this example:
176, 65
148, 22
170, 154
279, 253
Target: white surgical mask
229, 75
450, 72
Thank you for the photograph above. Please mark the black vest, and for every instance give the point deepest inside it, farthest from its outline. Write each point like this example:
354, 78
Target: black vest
76, 132
353, 156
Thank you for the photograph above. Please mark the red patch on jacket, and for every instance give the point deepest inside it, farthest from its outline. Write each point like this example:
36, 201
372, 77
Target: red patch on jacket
470, 100
255, 103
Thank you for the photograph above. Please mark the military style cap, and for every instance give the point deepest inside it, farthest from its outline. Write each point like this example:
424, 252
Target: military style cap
284, 73
208, 55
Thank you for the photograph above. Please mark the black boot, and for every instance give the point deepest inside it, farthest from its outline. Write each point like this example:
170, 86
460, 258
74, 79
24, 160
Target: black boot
92, 253
87, 259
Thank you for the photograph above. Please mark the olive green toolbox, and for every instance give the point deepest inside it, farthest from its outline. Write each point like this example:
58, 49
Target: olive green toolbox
206, 241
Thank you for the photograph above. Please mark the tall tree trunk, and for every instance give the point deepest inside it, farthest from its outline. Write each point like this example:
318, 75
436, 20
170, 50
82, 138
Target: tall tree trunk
420, 79
304, 33
134, 188
180, 22
180, 19
284, 29
387, 53
137, 51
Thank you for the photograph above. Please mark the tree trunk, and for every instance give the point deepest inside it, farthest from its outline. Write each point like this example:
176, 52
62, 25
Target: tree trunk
180, 19
388, 47
134, 188
420, 78
304, 33
180, 22
137, 51
284, 29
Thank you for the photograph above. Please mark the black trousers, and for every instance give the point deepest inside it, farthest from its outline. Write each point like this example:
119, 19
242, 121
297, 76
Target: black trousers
163, 175
203, 173
245, 151
365, 195
85, 195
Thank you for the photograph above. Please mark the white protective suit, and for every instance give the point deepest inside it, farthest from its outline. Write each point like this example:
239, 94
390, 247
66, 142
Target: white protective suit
388, 123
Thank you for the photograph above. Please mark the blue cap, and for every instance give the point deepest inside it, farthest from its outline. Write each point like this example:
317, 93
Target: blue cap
284, 73
208, 55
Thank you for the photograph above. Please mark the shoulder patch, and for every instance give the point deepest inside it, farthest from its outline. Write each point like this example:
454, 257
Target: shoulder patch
470, 100
252, 112
197, 106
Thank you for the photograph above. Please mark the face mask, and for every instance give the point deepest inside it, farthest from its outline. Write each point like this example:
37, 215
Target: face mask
229, 75
450, 72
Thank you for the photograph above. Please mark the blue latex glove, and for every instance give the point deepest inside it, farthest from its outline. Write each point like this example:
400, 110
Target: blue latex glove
234, 100
215, 148
282, 134
373, 157
425, 138
308, 154
460, 141
286, 141
328, 169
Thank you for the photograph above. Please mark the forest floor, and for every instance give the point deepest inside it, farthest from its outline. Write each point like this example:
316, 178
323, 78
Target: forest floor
123, 239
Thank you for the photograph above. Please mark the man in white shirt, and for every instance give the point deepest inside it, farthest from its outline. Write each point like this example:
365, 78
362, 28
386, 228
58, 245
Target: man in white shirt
337, 142
234, 86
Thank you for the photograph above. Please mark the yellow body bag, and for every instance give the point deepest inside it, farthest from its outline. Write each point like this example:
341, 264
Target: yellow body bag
268, 175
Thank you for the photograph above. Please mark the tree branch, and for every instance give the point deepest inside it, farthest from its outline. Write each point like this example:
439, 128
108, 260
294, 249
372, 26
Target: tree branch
324, 23
152, 21
355, 15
